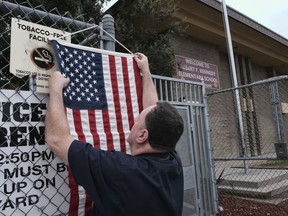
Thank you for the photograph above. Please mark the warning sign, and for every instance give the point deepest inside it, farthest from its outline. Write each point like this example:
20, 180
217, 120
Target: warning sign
30, 54
42, 58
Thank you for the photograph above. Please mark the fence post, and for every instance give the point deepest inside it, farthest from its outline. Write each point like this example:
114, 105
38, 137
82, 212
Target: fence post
108, 26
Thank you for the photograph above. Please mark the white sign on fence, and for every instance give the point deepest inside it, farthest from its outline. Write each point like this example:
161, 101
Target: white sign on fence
30, 53
32, 179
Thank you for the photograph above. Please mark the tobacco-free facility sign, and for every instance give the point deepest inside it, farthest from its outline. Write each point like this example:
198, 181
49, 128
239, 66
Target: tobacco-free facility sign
198, 71
30, 52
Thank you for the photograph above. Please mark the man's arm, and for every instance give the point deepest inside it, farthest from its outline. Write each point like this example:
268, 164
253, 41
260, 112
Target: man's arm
57, 133
150, 96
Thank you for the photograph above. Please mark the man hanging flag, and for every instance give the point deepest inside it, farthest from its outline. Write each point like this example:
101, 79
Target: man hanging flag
102, 100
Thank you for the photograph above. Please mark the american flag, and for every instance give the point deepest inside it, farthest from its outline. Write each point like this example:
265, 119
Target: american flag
102, 100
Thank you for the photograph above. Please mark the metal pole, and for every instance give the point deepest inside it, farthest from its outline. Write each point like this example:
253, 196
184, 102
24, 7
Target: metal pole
108, 26
235, 82
276, 107
213, 186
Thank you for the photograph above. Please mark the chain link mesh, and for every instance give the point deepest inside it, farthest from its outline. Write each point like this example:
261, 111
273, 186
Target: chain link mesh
248, 132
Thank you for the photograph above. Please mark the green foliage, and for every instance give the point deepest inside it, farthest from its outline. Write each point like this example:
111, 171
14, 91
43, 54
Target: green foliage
147, 26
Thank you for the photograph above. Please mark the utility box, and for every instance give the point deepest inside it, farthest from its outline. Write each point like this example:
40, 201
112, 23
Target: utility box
281, 150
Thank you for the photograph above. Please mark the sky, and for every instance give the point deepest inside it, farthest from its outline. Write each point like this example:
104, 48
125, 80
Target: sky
272, 14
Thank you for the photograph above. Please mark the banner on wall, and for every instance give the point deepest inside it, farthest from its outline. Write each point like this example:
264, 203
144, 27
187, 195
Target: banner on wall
30, 53
32, 178
197, 71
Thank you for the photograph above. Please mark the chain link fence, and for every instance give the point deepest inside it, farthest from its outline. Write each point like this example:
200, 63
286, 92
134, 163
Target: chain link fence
32, 180
249, 126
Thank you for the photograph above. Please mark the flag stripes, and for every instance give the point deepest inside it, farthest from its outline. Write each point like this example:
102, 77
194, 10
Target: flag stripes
104, 128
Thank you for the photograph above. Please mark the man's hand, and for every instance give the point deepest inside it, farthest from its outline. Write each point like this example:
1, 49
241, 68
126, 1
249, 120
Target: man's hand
150, 96
57, 81
142, 62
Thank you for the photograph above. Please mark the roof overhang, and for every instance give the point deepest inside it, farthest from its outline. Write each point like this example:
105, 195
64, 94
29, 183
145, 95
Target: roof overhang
249, 38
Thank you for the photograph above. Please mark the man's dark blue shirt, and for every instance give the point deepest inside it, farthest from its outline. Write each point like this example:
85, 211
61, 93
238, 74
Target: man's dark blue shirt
125, 185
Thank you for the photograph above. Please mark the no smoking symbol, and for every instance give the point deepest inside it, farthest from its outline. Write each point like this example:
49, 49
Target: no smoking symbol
43, 58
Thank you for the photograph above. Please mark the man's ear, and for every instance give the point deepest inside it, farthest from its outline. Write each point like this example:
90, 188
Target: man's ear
142, 136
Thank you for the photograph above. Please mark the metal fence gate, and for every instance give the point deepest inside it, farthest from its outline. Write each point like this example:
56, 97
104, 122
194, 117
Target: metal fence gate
29, 171
194, 148
250, 147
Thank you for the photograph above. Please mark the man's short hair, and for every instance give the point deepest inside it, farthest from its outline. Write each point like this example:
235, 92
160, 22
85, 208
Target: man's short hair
165, 126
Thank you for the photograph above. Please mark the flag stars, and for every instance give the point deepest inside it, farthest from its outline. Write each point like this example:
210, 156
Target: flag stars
81, 67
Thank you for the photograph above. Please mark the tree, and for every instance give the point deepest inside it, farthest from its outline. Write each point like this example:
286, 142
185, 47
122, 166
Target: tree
147, 26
